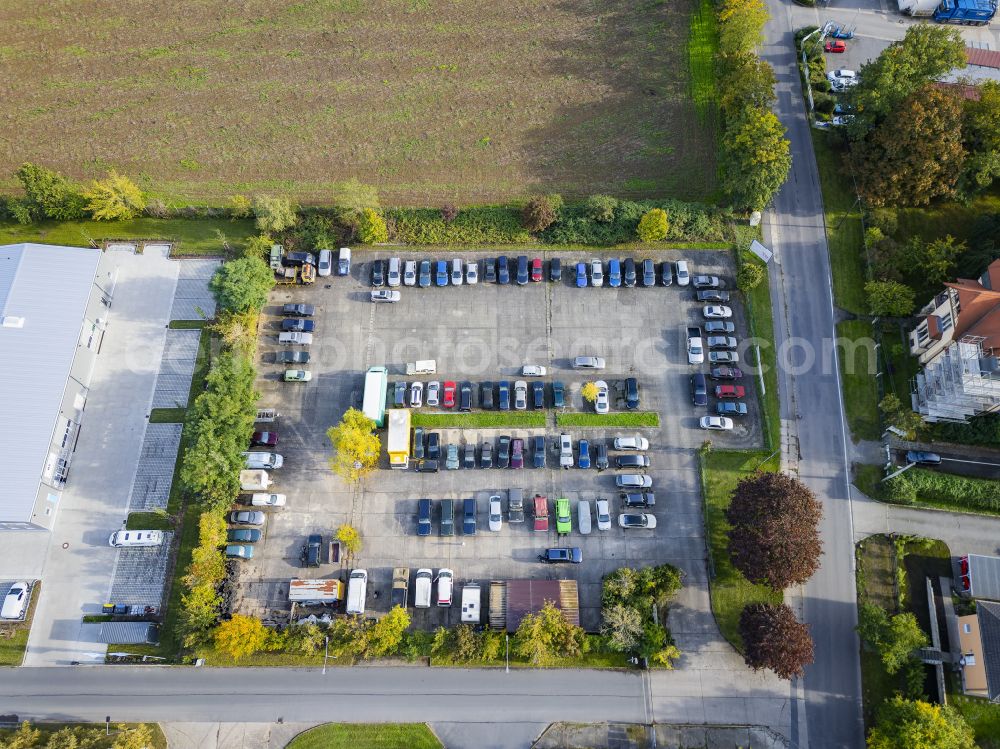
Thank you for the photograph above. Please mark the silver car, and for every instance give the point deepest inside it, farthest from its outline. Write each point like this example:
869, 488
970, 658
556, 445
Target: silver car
394, 276
433, 393
325, 267
520, 395
588, 362
456, 272
410, 273
634, 480
247, 517
596, 273
416, 395
603, 515
472, 272
496, 514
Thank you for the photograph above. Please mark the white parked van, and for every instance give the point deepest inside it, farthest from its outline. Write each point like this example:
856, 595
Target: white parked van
394, 277
262, 460
344, 261
136, 538
357, 591
422, 588
263, 499
15, 603
471, 599
254, 480
445, 580
426, 366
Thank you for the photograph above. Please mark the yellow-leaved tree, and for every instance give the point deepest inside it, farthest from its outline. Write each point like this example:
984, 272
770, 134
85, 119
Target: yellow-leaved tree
241, 636
356, 447
589, 392
116, 198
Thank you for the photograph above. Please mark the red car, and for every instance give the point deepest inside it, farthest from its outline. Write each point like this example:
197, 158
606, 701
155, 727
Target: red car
264, 439
536, 269
729, 391
449, 394
541, 508
835, 46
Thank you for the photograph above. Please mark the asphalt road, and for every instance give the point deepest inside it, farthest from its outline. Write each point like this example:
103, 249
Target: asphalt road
811, 405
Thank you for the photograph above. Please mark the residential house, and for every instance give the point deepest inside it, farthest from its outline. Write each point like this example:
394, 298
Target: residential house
979, 641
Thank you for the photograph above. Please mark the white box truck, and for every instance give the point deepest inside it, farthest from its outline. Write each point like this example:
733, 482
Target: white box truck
357, 591
251, 481
422, 588
425, 366
471, 598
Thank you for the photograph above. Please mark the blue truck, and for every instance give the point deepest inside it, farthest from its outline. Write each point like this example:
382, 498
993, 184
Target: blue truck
966, 12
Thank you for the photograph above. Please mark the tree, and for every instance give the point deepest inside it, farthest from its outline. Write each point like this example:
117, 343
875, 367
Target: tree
240, 206
116, 198
273, 214
934, 262
914, 724
259, 246
749, 276
356, 447
207, 565
242, 284
386, 634
621, 625
900, 416
774, 639
349, 538
352, 197
241, 636
889, 298
540, 213
741, 25
238, 330
589, 392
136, 737
925, 54
449, 212
894, 638
48, 194
601, 208
744, 81
546, 636
774, 539
653, 226
981, 136
24, 737
755, 158
914, 155
198, 614
372, 228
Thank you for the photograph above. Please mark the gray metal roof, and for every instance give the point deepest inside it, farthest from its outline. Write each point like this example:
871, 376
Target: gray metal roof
984, 576
128, 633
989, 633
49, 286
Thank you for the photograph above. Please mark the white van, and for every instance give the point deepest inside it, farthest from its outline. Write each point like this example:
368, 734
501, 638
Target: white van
254, 480
426, 366
344, 261
394, 276
445, 580
135, 538
15, 603
422, 588
262, 460
263, 499
357, 591
471, 600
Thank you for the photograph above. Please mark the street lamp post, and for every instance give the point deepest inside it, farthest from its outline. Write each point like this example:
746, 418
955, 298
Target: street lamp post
326, 652
507, 657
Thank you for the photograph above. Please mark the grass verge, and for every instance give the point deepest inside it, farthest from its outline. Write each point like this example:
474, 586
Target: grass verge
190, 236
373, 735
720, 471
703, 41
982, 715
167, 415
762, 326
187, 324
923, 487
627, 419
484, 420
149, 521
860, 387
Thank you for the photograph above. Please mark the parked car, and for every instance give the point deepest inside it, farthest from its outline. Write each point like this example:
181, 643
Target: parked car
496, 514
385, 295
537, 394
712, 295
299, 325
399, 395
538, 451
730, 391
923, 458
842, 77
614, 273
298, 258
707, 282
517, 453
451, 461
565, 451
295, 339
418, 442
571, 555
378, 274
490, 270
581, 275
428, 466
247, 517
596, 273
503, 271
15, 603
433, 445
471, 272
522, 270
717, 327
264, 439
486, 455
433, 393
503, 391
835, 46
265, 499
515, 506
469, 516
424, 280
638, 499
423, 517
441, 273
297, 375
540, 512
717, 312
503, 451
695, 346
583, 516
555, 270
631, 443
699, 389
533, 370
558, 397
719, 423
601, 460
456, 272
394, 277
298, 310
447, 526
667, 273
256, 461
416, 395
486, 395
634, 480
410, 273
536, 269
465, 396
243, 535
602, 402
631, 461
727, 373
682, 273
583, 454
648, 273
291, 357
723, 357
636, 520
344, 261
631, 393
449, 394
238, 551
628, 272
588, 362
469, 455
730, 408
564, 520
520, 395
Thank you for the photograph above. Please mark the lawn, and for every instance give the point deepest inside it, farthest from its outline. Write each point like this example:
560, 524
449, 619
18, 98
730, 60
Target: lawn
431, 102
858, 380
761, 320
191, 236
368, 735
720, 471
484, 420
982, 715
151, 521
936, 221
624, 419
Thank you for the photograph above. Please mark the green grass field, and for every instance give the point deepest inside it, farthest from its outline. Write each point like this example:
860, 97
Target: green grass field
482, 420
731, 592
624, 419
369, 736
858, 381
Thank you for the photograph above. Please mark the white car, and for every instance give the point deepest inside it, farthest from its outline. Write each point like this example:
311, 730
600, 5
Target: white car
696, 351
565, 451
636, 520
15, 603
394, 276
416, 395
631, 443
325, 267
682, 272
843, 77
456, 272
583, 516
596, 273
601, 404
603, 515
295, 338
532, 370
472, 273
385, 295
433, 393
588, 362
410, 273
262, 460
263, 499
520, 395
721, 423
717, 312
496, 514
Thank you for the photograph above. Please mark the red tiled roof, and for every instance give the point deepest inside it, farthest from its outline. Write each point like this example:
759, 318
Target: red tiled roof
984, 58
965, 90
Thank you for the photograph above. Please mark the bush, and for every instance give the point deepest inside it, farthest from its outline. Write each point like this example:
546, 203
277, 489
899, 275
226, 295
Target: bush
885, 219
240, 206
749, 276
242, 284
273, 214
540, 213
448, 213
653, 226
824, 103
601, 208
472, 226
50, 195
372, 228
116, 198
981, 430
944, 488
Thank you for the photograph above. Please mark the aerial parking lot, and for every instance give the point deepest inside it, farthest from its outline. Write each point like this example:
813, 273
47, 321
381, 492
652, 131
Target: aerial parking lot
485, 333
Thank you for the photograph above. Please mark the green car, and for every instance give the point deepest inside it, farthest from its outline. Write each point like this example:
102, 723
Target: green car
297, 375
564, 522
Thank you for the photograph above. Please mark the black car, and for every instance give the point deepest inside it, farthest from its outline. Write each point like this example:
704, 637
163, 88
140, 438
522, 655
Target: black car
629, 272
717, 327
469, 455
447, 517
486, 395
631, 393
555, 269
243, 535
712, 295
631, 461
428, 466
648, 273
571, 555
469, 516
418, 442
486, 455
522, 270
538, 394
504, 399
503, 271
601, 461
298, 310
292, 357
298, 325
465, 396
399, 395
538, 451
433, 446
424, 277
730, 408
666, 273
699, 389
503, 452
378, 274
312, 554
423, 517
727, 373
558, 401
298, 258
638, 499
490, 270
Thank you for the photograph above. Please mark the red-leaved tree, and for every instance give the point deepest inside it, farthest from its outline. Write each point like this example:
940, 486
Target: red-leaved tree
774, 639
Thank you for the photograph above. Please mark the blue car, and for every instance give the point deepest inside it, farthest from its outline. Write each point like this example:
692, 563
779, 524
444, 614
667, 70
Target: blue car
558, 398
614, 273
581, 275
522, 270
441, 277
503, 271
425, 274
584, 460
504, 401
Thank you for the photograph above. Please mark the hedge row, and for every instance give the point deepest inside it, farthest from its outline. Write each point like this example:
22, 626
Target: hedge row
922, 485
